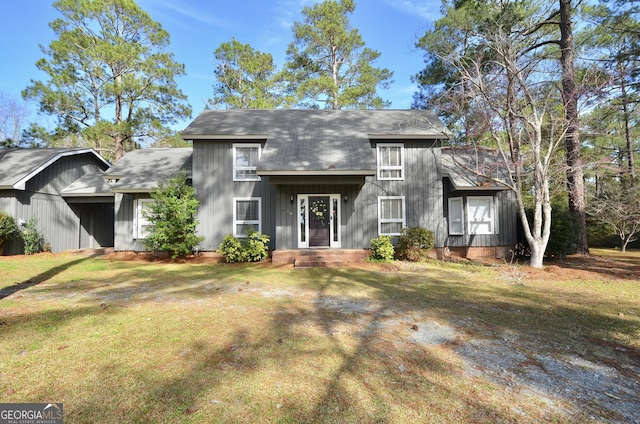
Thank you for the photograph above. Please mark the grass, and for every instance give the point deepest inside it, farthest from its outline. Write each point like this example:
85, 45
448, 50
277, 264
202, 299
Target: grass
142, 342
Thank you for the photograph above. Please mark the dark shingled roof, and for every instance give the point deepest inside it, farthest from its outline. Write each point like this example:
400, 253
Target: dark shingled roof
142, 170
321, 142
89, 185
462, 166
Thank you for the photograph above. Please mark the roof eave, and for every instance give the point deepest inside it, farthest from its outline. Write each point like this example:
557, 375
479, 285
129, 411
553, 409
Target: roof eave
224, 136
133, 190
333, 172
110, 194
408, 136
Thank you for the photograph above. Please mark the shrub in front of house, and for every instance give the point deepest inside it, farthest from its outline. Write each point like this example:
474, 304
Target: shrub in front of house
32, 238
382, 248
253, 248
8, 228
415, 244
172, 218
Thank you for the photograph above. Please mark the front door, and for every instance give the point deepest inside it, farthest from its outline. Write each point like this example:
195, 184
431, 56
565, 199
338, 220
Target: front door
318, 220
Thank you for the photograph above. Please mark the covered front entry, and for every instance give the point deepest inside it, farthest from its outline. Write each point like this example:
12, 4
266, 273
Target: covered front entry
318, 220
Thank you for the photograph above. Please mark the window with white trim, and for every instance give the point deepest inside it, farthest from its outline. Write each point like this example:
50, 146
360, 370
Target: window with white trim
456, 216
480, 214
245, 161
390, 158
391, 215
247, 214
141, 224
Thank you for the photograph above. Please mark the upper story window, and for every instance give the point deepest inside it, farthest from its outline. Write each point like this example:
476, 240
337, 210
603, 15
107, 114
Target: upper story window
390, 161
245, 161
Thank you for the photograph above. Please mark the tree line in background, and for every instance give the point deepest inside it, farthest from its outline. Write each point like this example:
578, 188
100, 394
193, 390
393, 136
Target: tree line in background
112, 83
550, 86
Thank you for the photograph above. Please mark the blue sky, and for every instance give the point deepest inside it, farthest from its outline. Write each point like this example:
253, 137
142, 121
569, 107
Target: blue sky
197, 27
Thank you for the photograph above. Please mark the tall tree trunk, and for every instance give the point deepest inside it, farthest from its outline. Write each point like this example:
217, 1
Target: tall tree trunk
627, 131
575, 176
119, 148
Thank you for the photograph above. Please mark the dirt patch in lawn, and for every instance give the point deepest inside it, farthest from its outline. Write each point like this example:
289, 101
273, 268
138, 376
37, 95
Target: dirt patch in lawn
563, 383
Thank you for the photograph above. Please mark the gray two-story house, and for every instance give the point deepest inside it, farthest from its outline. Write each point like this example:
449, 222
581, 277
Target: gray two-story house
335, 179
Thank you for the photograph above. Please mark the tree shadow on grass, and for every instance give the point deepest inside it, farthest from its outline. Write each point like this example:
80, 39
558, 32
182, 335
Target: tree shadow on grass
307, 363
349, 368
40, 278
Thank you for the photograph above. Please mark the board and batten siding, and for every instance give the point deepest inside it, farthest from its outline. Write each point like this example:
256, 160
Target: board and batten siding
421, 188
123, 215
506, 233
57, 221
287, 231
64, 171
215, 189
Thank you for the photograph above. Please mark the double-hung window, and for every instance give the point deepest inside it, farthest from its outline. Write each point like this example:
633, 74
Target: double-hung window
247, 215
480, 215
245, 161
141, 224
391, 215
479, 212
390, 161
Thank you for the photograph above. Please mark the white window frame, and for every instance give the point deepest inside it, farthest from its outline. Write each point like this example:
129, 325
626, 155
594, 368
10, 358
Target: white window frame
490, 220
237, 222
236, 168
138, 219
382, 167
402, 220
456, 202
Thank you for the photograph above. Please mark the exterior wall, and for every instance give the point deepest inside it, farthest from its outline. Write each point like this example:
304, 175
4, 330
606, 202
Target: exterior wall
215, 188
506, 223
123, 222
58, 221
287, 214
424, 190
63, 172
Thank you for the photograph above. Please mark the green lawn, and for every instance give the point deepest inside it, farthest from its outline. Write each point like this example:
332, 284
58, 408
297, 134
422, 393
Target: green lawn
160, 342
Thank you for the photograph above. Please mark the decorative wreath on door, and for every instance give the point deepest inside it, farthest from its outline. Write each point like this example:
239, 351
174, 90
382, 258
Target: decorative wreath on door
319, 210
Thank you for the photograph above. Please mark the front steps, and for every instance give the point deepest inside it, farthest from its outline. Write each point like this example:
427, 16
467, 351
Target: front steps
319, 258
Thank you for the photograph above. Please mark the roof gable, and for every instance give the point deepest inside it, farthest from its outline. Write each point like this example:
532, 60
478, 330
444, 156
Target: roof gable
18, 166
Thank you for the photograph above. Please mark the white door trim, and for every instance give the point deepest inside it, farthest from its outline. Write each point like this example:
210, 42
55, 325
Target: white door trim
302, 211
